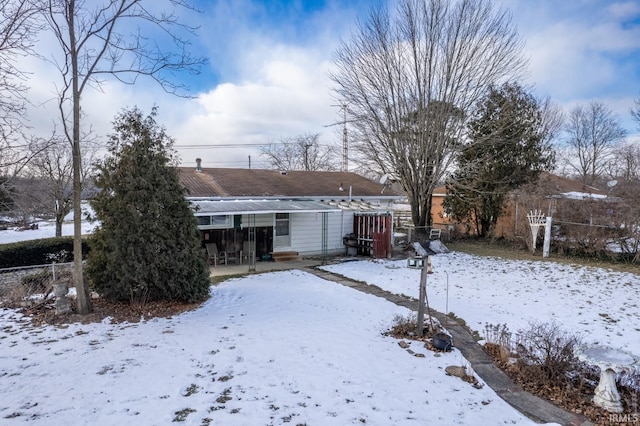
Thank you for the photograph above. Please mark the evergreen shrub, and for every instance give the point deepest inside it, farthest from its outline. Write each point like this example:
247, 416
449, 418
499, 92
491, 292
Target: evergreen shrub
148, 246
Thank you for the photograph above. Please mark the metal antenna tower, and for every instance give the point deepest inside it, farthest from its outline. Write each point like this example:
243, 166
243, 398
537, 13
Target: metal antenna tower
345, 140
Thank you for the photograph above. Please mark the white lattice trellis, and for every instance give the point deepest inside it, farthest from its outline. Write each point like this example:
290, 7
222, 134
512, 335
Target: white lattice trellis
536, 219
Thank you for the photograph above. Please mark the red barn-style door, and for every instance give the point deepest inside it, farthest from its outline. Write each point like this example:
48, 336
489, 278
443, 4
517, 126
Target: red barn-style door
373, 232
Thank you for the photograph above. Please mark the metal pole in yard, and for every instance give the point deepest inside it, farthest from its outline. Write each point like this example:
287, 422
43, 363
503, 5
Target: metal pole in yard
446, 308
422, 297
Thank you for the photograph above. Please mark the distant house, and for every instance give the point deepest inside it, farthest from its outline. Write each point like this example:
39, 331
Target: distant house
554, 195
284, 214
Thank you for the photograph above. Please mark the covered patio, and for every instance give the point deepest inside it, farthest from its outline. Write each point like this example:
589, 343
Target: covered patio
248, 231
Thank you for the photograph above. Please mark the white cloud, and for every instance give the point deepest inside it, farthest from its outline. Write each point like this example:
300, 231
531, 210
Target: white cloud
272, 84
272, 76
563, 60
287, 95
582, 51
625, 10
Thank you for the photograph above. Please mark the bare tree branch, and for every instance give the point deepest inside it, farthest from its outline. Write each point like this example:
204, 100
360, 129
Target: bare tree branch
302, 152
53, 165
591, 133
18, 26
635, 111
107, 38
625, 163
552, 119
409, 79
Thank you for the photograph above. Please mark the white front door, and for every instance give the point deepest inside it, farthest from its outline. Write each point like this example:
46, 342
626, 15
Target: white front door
282, 231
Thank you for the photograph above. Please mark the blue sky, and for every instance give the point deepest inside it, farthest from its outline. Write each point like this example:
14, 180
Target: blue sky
268, 63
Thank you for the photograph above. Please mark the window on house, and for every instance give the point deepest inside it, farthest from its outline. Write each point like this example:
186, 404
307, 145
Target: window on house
220, 220
282, 224
214, 221
204, 220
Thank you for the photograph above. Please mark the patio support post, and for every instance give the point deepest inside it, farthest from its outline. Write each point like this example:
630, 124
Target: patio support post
325, 236
252, 242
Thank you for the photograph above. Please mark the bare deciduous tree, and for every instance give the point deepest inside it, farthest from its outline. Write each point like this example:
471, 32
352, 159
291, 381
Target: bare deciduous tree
410, 77
26, 200
54, 166
102, 39
591, 133
300, 153
18, 25
635, 111
552, 119
624, 165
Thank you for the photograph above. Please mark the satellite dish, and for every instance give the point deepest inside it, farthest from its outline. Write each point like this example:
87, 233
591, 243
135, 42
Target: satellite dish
384, 178
612, 183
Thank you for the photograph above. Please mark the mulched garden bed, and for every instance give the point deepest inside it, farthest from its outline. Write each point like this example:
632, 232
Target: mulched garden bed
575, 395
117, 312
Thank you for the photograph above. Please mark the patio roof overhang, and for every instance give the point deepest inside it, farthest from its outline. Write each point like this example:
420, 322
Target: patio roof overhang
236, 207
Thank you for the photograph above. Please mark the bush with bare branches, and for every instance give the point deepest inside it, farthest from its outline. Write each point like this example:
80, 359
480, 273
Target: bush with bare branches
548, 350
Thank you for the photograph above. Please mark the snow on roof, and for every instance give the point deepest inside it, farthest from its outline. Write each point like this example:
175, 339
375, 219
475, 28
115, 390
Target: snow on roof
218, 207
582, 195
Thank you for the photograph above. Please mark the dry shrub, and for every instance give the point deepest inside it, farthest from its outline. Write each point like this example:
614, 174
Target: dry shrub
545, 350
403, 326
547, 366
15, 297
406, 326
33, 289
499, 342
543, 353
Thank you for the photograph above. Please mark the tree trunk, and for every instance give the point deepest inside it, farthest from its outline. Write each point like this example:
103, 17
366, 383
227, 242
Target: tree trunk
83, 303
421, 214
426, 208
59, 220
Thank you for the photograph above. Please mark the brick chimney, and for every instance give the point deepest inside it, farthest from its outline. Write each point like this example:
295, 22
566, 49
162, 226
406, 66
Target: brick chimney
198, 165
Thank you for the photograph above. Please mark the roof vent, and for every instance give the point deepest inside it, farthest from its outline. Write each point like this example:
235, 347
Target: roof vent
198, 165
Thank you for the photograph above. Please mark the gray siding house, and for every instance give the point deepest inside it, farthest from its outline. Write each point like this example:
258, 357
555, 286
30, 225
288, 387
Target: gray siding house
279, 215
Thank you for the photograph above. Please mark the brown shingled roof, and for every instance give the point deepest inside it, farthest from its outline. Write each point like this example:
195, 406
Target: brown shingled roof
555, 185
273, 183
550, 185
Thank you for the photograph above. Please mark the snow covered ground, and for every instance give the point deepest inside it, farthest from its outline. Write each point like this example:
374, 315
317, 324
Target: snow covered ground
597, 303
46, 229
291, 348
278, 348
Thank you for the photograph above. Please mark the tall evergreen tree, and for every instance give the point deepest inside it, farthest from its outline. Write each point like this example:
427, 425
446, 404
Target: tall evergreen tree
148, 244
508, 146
